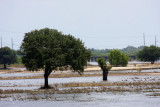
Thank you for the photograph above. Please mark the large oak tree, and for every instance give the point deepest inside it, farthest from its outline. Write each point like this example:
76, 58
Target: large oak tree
50, 49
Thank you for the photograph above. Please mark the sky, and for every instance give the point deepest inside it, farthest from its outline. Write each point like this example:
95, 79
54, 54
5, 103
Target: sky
99, 24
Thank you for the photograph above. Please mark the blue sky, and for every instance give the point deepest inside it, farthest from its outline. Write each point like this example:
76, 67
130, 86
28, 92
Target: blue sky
99, 24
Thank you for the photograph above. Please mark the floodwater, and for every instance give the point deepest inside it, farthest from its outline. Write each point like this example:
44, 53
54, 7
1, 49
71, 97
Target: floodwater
20, 74
130, 62
105, 99
100, 99
6, 84
5, 75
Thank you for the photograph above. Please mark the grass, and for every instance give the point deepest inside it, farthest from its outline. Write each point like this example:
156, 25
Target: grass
97, 84
13, 65
3, 96
12, 91
76, 88
66, 88
82, 90
91, 89
154, 94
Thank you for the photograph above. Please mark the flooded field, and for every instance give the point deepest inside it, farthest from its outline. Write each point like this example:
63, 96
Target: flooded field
119, 90
39, 82
108, 99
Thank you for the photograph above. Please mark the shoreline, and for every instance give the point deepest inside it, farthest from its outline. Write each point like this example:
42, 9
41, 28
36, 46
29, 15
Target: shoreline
140, 66
121, 68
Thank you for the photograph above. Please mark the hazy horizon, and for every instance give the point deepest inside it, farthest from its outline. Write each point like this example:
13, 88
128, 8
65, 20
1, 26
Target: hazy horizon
100, 24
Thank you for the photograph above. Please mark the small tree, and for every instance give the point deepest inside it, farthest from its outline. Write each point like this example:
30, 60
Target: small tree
49, 49
117, 58
124, 60
104, 67
151, 54
7, 56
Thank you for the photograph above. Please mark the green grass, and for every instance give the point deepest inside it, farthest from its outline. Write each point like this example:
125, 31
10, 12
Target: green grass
13, 65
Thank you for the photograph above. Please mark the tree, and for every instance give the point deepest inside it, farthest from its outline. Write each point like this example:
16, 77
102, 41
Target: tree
104, 67
151, 54
117, 58
49, 49
124, 60
7, 56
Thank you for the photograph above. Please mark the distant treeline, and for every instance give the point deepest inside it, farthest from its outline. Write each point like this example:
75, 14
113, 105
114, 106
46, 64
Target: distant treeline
130, 50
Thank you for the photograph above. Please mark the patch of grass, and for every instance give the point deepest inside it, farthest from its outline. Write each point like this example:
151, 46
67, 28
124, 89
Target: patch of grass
13, 65
96, 84
33, 98
91, 89
3, 96
154, 94
47, 91
139, 69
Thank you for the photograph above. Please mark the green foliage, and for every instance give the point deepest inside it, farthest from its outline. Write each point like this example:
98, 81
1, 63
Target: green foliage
7, 56
117, 58
19, 52
98, 52
151, 54
103, 65
130, 50
19, 60
49, 49
124, 60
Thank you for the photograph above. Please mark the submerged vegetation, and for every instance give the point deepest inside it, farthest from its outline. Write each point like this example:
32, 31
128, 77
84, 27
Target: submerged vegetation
104, 67
68, 88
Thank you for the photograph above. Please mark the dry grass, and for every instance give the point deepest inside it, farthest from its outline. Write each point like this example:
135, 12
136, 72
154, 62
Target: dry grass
48, 91
3, 96
91, 89
154, 94
66, 88
106, 89
94, 84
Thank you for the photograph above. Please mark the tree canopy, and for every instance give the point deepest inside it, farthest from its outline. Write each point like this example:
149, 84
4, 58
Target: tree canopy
117, 58
129, 50
7, 56
151, 54
49, 49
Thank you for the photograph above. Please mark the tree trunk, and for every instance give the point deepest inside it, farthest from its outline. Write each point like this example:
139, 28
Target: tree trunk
4, 66
105, 74
46, 81
46, 75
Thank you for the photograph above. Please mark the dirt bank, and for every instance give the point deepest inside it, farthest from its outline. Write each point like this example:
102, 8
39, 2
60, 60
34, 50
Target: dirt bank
141, 66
